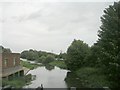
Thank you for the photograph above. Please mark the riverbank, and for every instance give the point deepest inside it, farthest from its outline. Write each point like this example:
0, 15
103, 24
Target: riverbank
59, 63
87, 77
17, 82
26, 63
30, 65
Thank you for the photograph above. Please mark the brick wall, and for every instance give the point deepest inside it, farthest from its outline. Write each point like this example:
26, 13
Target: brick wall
0, 60
11, 59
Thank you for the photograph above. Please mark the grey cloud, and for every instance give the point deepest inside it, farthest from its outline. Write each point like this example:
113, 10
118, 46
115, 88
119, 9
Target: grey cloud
51, 26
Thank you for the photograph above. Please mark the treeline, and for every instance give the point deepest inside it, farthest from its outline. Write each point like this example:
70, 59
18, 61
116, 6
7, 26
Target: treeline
41, 56
105, 54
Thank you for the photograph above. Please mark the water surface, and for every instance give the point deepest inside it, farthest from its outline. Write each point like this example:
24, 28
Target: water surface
50, 78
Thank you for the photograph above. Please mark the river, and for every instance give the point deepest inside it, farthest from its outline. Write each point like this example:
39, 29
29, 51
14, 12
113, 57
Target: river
53, 77
50, 77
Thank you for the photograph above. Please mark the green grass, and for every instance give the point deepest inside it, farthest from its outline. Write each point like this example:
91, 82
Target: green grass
60, 64
92, 77
29, 65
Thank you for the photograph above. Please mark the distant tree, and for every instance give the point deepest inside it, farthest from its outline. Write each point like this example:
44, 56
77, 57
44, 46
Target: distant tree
34, 55
41, 59
76, 54
24, 54
49, 59
109, 42
30, 55
62, 56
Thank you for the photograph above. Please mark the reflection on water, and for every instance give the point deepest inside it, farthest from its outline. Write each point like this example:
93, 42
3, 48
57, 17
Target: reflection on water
49, 67
51, 78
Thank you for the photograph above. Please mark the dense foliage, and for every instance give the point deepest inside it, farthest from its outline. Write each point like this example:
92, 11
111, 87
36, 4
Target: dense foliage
109, 43
48, 59
38, 56
98, 65
104, 54
92, 58
59, 63
76, 54
34, 54
87, 77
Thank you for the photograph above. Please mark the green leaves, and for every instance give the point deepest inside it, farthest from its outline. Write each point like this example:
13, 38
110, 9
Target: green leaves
109, 39
76, 54
48, 59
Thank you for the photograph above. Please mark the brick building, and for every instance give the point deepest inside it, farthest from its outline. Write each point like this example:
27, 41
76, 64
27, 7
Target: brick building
10, 65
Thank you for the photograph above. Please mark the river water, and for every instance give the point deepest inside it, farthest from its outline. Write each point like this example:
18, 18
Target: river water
49, 77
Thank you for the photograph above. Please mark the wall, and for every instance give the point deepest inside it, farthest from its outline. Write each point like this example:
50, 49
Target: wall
10, 60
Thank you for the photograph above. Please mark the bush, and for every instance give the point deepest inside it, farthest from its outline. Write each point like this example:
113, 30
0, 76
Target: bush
92, 77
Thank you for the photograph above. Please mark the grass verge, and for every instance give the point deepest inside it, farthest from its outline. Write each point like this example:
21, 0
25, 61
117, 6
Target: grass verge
29, 65
60, 64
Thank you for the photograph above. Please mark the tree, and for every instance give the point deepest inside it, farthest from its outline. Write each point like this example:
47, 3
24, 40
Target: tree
41, 59
109, 39
24, 54
30, 55
76, 54
62, 55
92, 59
48, 59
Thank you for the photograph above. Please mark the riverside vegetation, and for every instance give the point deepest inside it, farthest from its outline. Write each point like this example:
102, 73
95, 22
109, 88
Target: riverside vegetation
104, 55
17, 82
96, 66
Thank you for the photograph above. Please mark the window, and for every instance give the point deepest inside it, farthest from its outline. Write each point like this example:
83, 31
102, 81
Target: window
5, 62
14, 61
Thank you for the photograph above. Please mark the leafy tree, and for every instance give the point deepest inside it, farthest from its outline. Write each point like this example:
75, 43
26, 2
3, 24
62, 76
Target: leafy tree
109, 42
35, 55
76, 54
24, 54
49, 59
92, 59
62, 56
41, 59
30, 55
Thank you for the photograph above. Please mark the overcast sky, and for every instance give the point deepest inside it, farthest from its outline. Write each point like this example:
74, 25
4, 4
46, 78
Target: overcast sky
49, 26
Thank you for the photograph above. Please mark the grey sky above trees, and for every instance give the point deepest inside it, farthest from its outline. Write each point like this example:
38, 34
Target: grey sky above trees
49, 26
